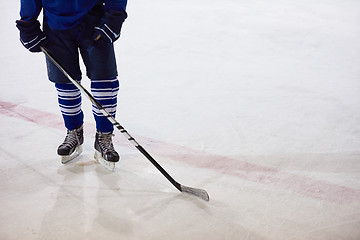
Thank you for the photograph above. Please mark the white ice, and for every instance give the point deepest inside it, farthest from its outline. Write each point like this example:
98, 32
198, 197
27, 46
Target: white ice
256, 101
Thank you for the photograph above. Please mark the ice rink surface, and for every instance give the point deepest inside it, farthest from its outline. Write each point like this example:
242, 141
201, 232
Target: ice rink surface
256, 101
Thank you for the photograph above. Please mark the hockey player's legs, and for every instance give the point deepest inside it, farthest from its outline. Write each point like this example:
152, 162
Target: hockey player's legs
62, 44
100, 62
69, 98
105, 92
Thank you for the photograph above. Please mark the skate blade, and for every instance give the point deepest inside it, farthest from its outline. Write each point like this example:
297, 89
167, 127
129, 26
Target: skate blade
68, 158
108, 165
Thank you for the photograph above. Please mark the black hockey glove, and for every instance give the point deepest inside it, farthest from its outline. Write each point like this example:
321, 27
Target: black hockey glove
110, 28
31, 35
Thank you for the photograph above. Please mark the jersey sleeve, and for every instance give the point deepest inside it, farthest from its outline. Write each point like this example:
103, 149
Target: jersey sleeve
117, 5
30, 9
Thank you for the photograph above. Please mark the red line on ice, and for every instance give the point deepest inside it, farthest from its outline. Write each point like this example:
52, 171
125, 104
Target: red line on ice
269, 176
233, 167
31, 115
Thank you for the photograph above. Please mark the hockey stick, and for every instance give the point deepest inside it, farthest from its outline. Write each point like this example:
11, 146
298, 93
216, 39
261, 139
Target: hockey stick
193, 191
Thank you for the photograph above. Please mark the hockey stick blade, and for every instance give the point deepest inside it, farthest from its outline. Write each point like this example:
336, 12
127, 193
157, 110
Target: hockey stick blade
195, 192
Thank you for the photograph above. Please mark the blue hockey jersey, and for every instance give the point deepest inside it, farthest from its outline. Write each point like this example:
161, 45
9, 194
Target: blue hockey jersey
64, 14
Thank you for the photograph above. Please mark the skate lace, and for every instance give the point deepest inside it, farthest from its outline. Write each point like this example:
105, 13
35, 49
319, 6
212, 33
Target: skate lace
105, 142
71, 139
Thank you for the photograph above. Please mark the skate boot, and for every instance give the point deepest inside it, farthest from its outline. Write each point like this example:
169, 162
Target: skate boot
71, 147
105, 153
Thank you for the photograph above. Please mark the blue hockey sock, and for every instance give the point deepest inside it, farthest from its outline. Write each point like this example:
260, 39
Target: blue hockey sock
69, 98
105, 92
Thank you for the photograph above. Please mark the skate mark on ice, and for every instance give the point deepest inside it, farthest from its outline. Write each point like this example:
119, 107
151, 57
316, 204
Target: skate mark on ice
237, 168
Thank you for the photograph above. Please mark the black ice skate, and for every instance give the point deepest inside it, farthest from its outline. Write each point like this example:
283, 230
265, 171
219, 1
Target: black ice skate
71, 147
105, 153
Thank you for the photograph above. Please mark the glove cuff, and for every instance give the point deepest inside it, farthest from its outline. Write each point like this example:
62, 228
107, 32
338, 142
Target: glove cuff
111, 24
28, 26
